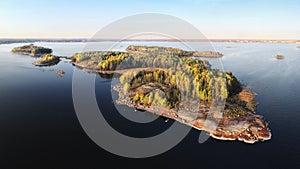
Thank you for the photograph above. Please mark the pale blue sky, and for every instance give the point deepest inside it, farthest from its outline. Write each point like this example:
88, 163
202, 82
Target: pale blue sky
272, 19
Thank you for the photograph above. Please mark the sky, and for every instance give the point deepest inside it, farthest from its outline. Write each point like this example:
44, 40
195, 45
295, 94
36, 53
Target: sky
216, 19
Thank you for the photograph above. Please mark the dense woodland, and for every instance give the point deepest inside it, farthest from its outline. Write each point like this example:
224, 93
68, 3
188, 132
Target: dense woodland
47, 60
32, 50
171, 75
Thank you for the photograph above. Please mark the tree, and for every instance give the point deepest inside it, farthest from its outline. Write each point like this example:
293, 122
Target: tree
126, 87
136, 97
150, 98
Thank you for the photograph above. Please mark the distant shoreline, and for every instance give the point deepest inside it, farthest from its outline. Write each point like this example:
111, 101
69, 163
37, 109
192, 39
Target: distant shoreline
10, 41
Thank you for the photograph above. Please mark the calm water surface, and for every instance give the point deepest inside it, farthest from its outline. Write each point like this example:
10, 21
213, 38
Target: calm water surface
39, 127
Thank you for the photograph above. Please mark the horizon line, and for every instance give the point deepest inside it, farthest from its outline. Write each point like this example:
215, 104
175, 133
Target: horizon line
152, 39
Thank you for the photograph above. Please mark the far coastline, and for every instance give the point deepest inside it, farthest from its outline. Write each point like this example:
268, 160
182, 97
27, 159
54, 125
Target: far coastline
67, 40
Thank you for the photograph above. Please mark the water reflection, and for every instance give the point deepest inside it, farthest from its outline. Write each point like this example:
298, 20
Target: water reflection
38, 118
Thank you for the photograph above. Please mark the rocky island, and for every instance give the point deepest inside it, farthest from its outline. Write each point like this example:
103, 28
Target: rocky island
60, 73
149, 81
176, 84
279, 57
47, 60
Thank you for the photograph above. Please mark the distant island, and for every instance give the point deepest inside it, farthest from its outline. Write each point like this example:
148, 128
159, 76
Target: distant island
279, 57
47, 59
10, 41
31, 50
169, 82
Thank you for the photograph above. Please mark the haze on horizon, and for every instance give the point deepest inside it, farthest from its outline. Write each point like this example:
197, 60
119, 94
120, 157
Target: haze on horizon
216, 19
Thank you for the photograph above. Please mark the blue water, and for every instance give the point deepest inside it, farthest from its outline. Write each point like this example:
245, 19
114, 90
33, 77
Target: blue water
39, 127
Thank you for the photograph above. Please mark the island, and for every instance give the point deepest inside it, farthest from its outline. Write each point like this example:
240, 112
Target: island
179, 85
32, 50
298, 47
47, 60
60, 73
149, 81
279, 57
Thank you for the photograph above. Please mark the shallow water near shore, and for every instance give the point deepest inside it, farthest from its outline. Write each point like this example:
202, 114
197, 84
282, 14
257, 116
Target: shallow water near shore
39, 127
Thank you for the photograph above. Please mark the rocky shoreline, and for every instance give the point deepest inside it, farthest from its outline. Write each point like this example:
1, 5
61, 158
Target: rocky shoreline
249, 128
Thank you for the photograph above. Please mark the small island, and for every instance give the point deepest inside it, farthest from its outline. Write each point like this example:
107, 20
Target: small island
298, 47
47, 60
32, 50
174, 83
279, 57
60, 73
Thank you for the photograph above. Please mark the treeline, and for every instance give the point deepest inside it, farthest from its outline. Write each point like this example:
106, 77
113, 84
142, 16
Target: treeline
101, 60
145, 57
172, 51
157, 50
